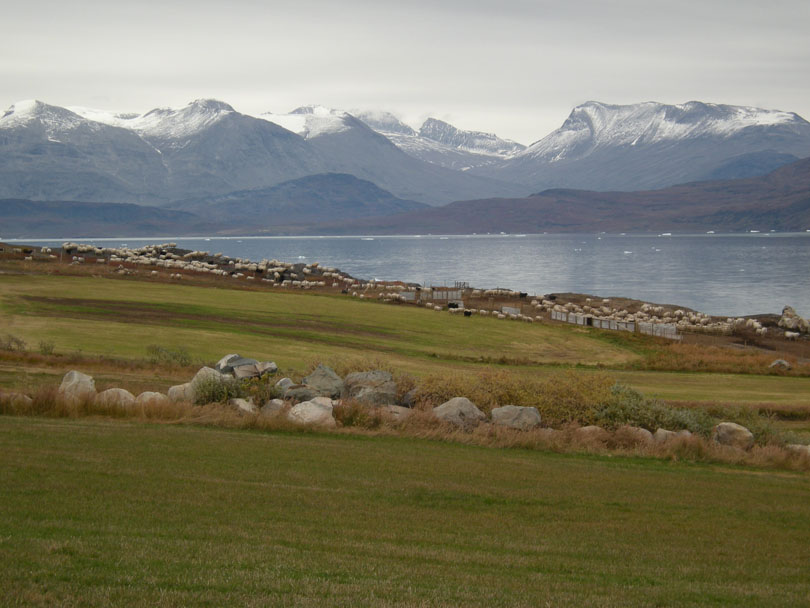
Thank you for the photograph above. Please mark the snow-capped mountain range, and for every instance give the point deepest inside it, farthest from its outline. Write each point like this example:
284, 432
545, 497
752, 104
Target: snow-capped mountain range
209, 149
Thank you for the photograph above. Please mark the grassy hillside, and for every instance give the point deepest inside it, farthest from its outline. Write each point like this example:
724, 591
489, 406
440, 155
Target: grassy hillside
111, 513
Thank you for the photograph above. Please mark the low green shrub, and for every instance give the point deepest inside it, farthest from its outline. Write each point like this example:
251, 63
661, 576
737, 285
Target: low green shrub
213, 390
46, 347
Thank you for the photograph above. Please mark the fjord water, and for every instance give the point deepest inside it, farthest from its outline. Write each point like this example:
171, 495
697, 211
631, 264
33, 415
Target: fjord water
719, 274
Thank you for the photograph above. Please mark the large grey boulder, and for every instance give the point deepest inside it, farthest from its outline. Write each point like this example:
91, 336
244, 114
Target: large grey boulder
459, 411
300, 392
312, 413
181, 392
733, 434
372, 388
151, 398
516, 417
324, 381
77, 387
115, 397
223, 365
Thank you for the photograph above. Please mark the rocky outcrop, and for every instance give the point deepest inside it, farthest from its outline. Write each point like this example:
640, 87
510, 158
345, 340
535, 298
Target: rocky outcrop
324, 381
372, 388
459, 411
733, 434
77, 387
516, 417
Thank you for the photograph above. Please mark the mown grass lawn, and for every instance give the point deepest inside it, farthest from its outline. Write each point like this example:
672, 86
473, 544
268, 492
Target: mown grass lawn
113, 513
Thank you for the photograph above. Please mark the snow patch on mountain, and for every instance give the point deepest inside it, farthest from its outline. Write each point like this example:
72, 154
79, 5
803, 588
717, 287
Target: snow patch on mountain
384, 122
311, 121
53, 119
476, 142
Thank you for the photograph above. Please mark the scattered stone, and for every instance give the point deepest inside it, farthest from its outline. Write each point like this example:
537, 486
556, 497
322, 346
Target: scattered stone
591, 433
372, 388
781, 364
115, 397
274, 406
459, 411
663, 435
311, 413
733, 434
516, 417
151, 398
244, 405
181, 392
325, 381
633, 435
76, 387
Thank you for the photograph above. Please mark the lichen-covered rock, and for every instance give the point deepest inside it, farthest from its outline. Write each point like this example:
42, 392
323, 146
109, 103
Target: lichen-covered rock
733, 434
324, 381
77, 387
459, 411
312, 413
372, 388
115, 397
516, 417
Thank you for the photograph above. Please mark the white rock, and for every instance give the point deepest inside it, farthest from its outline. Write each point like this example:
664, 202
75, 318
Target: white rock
151, 398
181, 392
312, 413
459, 411
516, 417
115, 397
733, 434
76, 387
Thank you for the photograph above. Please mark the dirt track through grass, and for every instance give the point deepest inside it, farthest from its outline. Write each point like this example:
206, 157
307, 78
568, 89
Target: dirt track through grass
115, 513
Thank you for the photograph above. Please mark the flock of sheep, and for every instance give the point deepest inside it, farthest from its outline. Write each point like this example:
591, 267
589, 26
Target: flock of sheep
312, 275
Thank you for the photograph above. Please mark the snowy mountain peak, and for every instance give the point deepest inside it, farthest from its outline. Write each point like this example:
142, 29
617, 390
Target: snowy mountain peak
594, 125
383, 122
313, 121
53, 119
470, 141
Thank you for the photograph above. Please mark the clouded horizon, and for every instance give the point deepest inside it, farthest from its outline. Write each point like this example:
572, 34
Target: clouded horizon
515, 68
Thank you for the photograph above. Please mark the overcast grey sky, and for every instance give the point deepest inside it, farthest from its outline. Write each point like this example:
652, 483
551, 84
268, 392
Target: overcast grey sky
514, 67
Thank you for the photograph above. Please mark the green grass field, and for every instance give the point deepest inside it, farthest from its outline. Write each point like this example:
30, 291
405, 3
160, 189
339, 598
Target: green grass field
120, 318
114, 513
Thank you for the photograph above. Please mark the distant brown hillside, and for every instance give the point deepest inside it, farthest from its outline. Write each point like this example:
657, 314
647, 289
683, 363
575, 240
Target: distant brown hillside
777, 201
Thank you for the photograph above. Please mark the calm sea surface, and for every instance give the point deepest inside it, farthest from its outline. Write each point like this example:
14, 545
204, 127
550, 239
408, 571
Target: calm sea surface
718, 274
